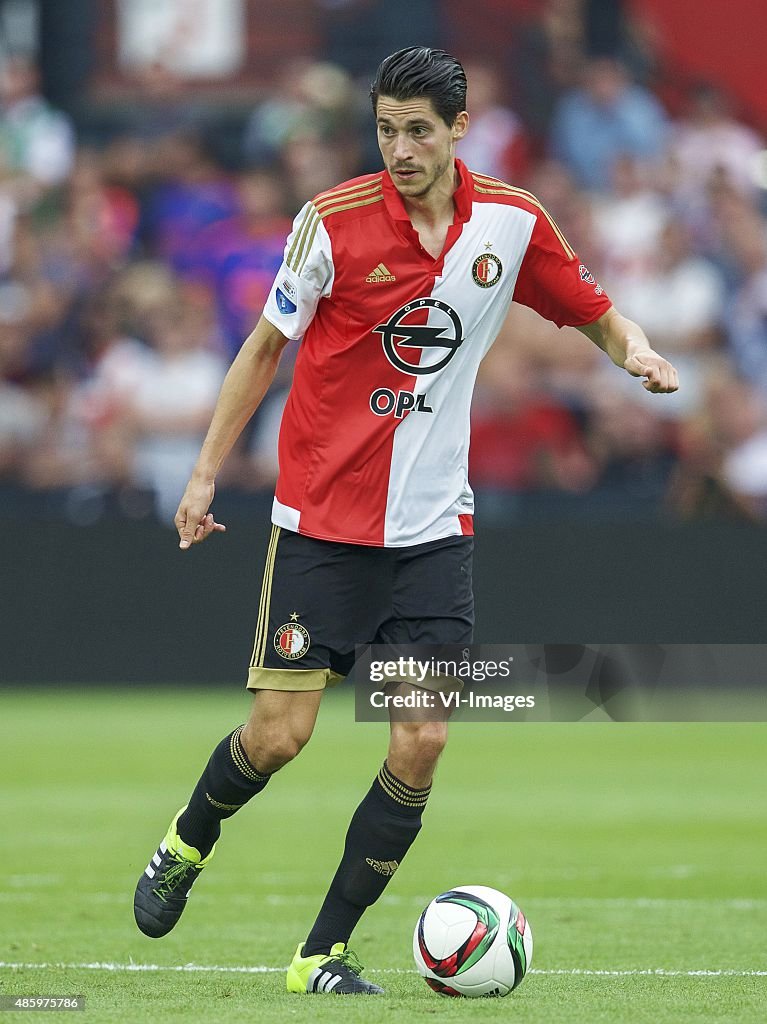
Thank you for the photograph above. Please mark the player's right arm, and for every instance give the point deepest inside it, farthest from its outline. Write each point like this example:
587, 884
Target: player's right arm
243, 389
306, 276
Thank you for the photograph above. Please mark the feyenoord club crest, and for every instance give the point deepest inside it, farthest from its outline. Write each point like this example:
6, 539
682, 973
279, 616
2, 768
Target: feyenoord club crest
487, 270
291, 641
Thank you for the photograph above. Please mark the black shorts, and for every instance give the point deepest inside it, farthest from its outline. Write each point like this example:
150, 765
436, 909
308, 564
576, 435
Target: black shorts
319, 599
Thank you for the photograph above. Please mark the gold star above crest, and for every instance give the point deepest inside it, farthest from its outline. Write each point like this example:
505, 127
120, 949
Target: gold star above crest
294, 616
488, 245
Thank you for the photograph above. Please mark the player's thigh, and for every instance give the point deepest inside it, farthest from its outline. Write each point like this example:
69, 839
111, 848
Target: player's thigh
433, 602
432, 609
433, 599
318, 599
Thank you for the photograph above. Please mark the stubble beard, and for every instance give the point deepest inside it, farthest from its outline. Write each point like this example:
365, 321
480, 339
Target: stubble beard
437, 173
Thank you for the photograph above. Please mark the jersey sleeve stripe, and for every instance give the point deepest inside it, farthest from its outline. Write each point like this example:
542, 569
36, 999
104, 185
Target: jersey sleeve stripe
297, 237
299, 245
335, 192
359, 193
308, 246
503, 189
306, 241
569, 251
352, 205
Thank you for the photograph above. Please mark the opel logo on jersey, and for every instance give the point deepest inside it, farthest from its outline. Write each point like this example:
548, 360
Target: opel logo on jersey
403, 331
383, 401
487, 270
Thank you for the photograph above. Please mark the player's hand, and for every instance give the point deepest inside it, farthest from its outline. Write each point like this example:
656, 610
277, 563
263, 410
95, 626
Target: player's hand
193, 521
661, 377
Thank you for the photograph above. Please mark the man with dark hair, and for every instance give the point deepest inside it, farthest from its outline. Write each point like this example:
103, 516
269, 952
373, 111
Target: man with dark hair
424, 73
397, 283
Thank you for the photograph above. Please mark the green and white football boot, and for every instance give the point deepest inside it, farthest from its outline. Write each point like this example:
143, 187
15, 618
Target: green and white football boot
336, 973
163, 888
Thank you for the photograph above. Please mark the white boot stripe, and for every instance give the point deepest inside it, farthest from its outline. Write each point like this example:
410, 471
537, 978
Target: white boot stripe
149, 871
311, 984
156, 860
332, 984
163, 847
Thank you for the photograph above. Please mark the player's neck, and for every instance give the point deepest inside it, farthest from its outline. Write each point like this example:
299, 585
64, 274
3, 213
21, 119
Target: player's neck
437, 205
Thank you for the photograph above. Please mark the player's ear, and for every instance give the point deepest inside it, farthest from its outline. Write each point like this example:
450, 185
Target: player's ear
460, 125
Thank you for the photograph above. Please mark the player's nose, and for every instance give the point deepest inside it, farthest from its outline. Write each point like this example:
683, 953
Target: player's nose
402, 152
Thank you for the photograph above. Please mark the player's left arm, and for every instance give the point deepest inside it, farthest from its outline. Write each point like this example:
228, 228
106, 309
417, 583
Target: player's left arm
555, 283
628, 346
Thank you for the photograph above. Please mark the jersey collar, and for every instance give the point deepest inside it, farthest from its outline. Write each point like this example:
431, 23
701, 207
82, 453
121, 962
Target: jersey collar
461, 197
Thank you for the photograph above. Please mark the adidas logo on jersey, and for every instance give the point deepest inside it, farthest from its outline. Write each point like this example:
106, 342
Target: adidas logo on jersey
380, 275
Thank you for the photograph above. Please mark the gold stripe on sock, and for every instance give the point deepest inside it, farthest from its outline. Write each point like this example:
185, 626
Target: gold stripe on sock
241, 760
397, 797
407, 790
399, 792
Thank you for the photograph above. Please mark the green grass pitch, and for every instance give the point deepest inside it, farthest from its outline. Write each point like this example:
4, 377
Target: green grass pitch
637, 852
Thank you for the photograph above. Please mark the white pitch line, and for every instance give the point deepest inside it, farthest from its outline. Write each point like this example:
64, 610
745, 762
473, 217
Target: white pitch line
298, 899
658, 972
735, 903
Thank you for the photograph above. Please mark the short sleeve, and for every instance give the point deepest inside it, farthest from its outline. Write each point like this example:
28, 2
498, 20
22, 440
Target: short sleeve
305, 277
553, 281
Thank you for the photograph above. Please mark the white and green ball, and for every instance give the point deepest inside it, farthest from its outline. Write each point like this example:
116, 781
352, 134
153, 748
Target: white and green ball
473, 941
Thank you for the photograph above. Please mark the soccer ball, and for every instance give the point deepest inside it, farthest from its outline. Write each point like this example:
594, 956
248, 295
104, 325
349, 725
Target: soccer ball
472, 941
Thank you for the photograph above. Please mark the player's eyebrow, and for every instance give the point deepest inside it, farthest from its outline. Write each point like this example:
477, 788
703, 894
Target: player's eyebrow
410, 123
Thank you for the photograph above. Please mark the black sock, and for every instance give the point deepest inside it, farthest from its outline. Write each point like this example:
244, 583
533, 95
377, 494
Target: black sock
381, 832
226, 785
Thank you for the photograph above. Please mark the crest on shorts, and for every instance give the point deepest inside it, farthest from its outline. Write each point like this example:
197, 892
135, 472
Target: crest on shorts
487, 270
291, 641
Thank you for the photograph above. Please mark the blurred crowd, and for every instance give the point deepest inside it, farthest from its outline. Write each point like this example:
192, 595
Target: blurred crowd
131, 271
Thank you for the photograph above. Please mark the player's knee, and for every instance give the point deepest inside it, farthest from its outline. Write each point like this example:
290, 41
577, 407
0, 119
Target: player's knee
271, 748
431, 739
418, 744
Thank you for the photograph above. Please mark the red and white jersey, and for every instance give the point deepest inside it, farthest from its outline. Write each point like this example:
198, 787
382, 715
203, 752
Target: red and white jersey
374, 440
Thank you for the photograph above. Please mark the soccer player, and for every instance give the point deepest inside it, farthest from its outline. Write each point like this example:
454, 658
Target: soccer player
397, 283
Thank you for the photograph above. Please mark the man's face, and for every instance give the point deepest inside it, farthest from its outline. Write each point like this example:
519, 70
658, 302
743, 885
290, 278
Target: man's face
417, 146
